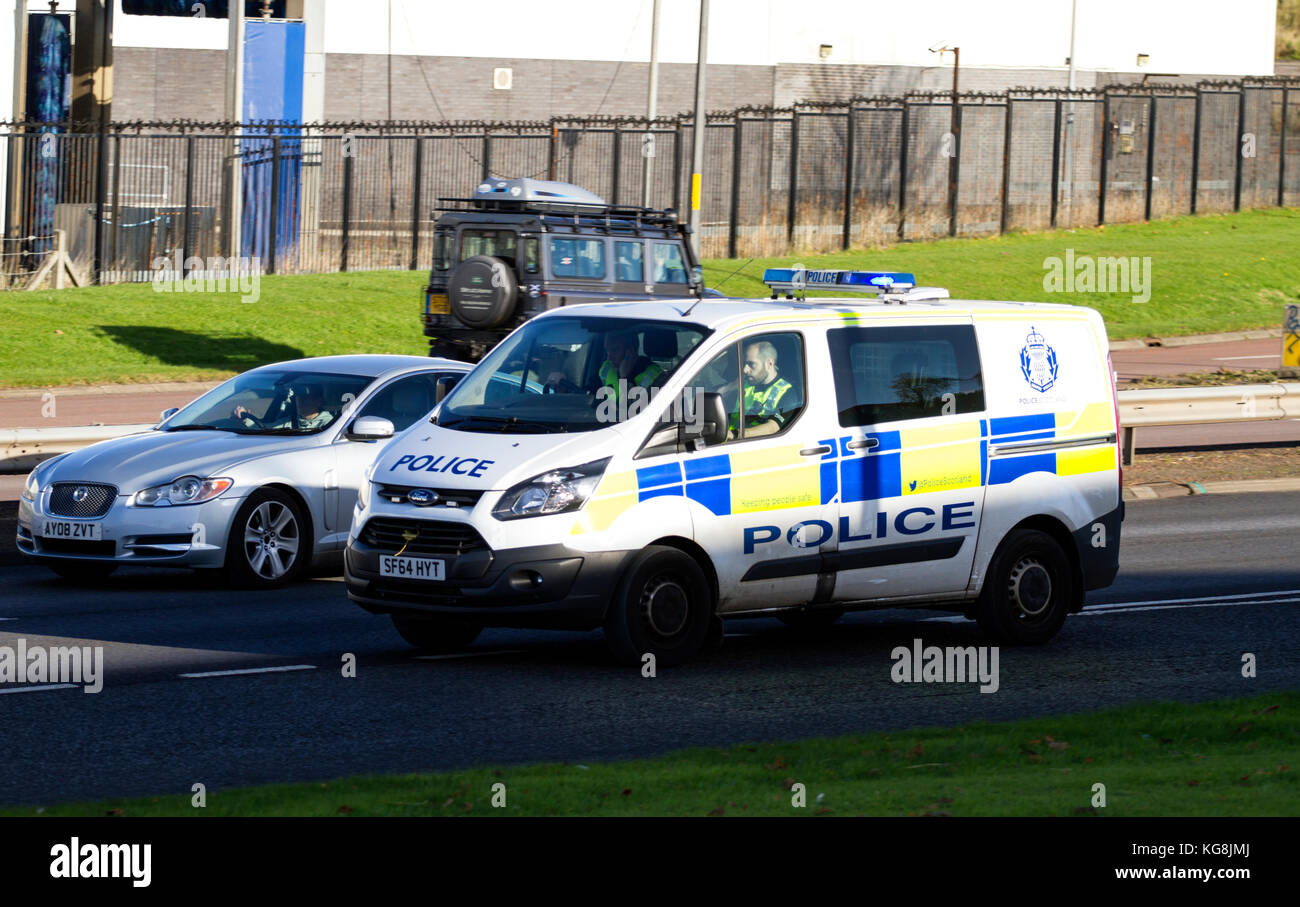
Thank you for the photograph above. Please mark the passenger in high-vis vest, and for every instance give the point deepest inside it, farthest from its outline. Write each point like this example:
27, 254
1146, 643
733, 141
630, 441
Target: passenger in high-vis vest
624, 366
764, 391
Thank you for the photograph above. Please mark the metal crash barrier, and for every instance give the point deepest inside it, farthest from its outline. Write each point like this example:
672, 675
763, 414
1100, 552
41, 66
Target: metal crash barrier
1200, 405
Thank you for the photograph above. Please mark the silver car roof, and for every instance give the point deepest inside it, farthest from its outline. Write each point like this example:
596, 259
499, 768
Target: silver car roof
366, 365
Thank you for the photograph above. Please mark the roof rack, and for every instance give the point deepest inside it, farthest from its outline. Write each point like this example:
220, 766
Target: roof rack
890, 286
532, 196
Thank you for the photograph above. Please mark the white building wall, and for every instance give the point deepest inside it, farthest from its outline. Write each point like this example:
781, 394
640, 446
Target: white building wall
1179, 36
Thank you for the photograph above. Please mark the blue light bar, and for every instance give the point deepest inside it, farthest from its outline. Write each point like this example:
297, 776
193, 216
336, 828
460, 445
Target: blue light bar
788, 280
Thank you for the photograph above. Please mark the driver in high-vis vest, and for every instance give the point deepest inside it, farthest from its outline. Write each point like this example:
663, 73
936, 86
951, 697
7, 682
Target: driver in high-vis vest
764, 390
622, 368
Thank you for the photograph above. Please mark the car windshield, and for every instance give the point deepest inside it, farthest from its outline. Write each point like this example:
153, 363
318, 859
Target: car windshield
272, 401
569, 373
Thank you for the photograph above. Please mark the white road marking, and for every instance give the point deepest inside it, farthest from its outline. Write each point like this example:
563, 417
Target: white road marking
1203, 598
1164, 604
1262, 601
44, 686
467, 655
1228, 358
249, 671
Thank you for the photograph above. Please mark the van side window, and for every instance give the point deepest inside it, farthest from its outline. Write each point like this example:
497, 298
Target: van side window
763, 376
578, 258
668, 263
628, 258
893, 373
532, 255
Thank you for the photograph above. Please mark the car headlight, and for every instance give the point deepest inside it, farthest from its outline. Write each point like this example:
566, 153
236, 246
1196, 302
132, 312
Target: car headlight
32, 487
185, 490
554, 491
35, 479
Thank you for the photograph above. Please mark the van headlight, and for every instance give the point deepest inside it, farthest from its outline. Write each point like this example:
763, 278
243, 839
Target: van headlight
554, 491
185, 490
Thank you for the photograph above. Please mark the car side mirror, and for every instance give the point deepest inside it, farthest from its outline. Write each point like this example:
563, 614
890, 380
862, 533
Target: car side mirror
168, 413
370, 428
443, 386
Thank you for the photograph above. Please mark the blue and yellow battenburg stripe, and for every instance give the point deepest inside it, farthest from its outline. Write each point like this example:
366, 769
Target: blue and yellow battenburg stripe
903, 462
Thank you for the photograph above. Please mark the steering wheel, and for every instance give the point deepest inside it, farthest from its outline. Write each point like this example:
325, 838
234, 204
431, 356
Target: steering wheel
248, 414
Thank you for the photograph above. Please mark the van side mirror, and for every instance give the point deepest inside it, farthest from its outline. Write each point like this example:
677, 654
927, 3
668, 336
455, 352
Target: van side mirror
168, 413
443, 386
709, 425
370, 428
705, 426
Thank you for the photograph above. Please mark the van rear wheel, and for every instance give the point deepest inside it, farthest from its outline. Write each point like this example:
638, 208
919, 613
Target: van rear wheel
1028, 590
662, 607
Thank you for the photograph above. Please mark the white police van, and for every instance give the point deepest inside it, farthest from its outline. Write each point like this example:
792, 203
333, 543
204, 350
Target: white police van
653, 467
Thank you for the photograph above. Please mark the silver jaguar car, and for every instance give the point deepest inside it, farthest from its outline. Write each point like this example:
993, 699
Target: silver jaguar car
257, 477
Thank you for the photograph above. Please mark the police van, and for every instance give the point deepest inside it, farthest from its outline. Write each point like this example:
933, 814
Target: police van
655, 467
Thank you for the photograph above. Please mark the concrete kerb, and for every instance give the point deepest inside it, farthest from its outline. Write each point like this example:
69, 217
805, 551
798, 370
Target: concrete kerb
1154, 490
1195, 339
164, 387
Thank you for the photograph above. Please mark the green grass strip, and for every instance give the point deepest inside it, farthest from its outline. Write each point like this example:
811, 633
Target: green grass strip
1207, 274
1225, 758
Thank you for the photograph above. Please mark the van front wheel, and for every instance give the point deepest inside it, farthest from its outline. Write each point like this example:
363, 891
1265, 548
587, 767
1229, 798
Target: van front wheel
662, 607
1028, 590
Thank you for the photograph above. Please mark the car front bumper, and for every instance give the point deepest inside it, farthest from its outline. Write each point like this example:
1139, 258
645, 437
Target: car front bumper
180, 536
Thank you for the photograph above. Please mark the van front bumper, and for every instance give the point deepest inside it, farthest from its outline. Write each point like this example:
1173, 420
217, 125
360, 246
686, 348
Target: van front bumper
543, 587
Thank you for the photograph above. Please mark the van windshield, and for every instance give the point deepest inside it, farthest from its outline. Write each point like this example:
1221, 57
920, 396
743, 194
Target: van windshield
569, 374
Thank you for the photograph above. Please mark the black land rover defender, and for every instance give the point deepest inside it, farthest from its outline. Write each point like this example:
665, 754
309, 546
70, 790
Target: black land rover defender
521, 246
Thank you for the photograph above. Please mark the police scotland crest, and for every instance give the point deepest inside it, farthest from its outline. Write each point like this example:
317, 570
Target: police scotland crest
1038, 362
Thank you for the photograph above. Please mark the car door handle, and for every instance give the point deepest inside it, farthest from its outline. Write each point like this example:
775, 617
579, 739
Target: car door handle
862, 443
814, 451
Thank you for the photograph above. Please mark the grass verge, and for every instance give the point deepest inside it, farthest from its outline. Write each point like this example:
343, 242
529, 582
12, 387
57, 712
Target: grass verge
1210, 273
1224, 758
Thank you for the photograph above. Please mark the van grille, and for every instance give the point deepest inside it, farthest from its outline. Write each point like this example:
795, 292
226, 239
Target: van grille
431, 537
447, 497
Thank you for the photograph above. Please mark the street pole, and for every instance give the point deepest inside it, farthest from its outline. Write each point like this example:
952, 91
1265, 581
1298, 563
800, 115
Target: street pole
1068, 178
647, 147
955, 129
697, 138
234, 114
